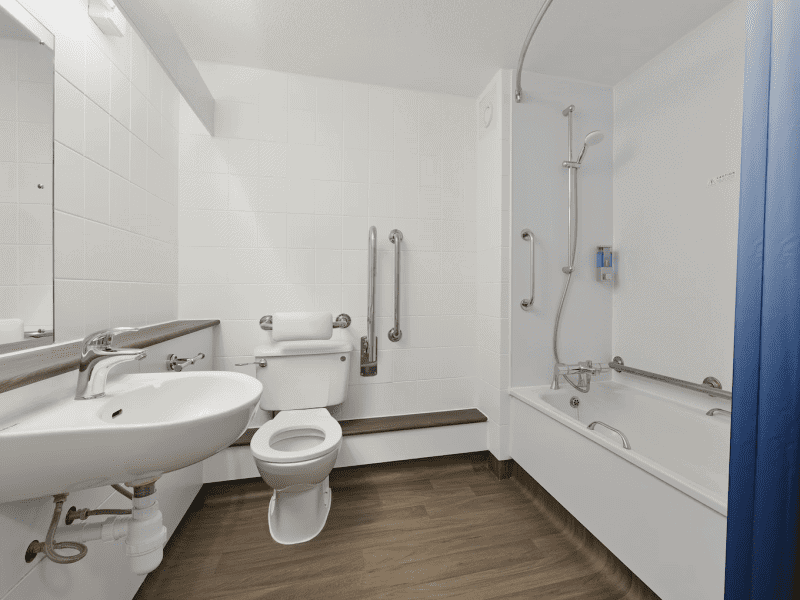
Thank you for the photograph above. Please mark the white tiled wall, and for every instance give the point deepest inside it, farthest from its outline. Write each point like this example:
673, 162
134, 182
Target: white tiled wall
275, 211
540, 203
116, 156
26, 161
678, 127
493, 201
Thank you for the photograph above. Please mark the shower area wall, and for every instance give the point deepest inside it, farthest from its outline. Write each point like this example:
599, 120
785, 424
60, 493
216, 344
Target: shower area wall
539, 202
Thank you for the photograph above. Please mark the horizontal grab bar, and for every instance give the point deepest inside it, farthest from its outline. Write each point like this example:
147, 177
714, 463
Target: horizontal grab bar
342, 321
707, 387
625, 443
38, 333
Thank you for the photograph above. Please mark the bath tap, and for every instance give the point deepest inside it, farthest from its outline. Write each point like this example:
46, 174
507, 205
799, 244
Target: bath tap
584, 370
98, 356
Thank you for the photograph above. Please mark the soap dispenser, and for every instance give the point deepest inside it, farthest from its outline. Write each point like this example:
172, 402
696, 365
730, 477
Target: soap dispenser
605, 265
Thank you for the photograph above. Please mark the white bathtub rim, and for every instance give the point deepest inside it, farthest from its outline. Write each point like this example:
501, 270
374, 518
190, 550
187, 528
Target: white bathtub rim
530, 396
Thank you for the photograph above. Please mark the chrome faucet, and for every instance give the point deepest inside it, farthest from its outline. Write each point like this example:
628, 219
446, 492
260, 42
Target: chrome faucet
584, 370
98, 357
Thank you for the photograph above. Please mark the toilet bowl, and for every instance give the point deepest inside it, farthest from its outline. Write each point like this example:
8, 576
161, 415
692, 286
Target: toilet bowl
294, 453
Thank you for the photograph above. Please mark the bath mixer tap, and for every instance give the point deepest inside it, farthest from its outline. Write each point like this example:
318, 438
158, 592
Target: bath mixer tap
584, 370
98, 357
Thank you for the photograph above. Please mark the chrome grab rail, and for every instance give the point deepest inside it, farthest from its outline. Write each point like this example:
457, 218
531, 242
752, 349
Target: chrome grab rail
341, 322
369, 343
527, 303
179, 364
707, 387
714, 411
625, 443
38, 333
396, 236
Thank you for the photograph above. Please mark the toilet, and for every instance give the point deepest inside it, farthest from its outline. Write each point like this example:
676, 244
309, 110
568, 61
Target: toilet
296, 450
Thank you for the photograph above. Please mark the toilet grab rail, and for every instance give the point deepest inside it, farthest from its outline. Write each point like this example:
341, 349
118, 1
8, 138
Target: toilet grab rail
396, 236
369, 342
341, 322
625, 443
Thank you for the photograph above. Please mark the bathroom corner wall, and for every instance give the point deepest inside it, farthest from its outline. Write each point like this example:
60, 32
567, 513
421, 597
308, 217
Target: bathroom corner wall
678, 125
493, 204
540, 203
275, 211
115, 181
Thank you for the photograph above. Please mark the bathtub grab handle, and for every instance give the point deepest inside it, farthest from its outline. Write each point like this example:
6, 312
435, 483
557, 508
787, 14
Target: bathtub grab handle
714, 411
625, 443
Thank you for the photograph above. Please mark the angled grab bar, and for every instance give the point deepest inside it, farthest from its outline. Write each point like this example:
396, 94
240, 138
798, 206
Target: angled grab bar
625, 443
396, 236
527, 303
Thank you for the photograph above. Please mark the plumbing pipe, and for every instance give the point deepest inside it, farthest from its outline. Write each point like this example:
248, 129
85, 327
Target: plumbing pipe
143, 531
123, 491
113, 528
146, 535
51, 545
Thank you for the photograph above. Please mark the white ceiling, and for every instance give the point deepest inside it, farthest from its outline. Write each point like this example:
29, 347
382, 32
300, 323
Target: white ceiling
450, 46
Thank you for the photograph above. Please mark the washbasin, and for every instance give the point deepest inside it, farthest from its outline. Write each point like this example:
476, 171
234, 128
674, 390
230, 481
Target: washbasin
145, 425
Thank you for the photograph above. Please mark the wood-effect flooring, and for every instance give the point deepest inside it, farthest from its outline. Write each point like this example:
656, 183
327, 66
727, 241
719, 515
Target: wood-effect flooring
435, 528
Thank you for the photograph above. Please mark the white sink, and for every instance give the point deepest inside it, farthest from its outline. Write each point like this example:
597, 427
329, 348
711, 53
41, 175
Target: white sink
145, 425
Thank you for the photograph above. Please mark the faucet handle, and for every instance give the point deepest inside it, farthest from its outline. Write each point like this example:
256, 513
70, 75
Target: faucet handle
104, 337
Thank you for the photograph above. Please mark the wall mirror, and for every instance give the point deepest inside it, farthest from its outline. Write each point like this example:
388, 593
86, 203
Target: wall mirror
26, 180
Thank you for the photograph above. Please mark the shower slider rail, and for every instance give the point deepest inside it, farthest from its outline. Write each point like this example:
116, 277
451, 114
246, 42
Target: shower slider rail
341, 322
710, 385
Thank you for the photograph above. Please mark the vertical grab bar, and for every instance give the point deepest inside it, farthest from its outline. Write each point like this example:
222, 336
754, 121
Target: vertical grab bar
396, 236
527, 303
369, 343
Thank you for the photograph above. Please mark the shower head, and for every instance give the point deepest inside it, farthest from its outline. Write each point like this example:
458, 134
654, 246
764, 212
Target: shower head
594, 137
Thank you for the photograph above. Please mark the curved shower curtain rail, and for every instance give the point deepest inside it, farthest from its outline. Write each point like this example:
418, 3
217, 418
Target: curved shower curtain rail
537, 20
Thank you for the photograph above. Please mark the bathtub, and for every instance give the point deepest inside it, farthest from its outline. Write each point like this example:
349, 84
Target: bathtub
661, 506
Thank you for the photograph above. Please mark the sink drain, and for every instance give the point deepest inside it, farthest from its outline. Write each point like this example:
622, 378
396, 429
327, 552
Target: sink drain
574, 402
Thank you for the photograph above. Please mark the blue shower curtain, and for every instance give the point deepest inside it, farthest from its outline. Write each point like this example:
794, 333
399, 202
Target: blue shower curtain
765, 428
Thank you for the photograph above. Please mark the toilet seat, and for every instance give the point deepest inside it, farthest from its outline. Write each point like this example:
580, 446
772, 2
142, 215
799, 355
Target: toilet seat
299, 422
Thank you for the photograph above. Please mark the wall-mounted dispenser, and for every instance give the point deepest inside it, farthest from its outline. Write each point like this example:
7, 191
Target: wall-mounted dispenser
605, 265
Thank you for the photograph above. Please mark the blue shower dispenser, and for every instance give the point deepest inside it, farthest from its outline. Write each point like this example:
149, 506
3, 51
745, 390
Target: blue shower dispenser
605, 265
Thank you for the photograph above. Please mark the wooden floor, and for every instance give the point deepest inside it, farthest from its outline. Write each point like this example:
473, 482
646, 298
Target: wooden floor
442, 528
